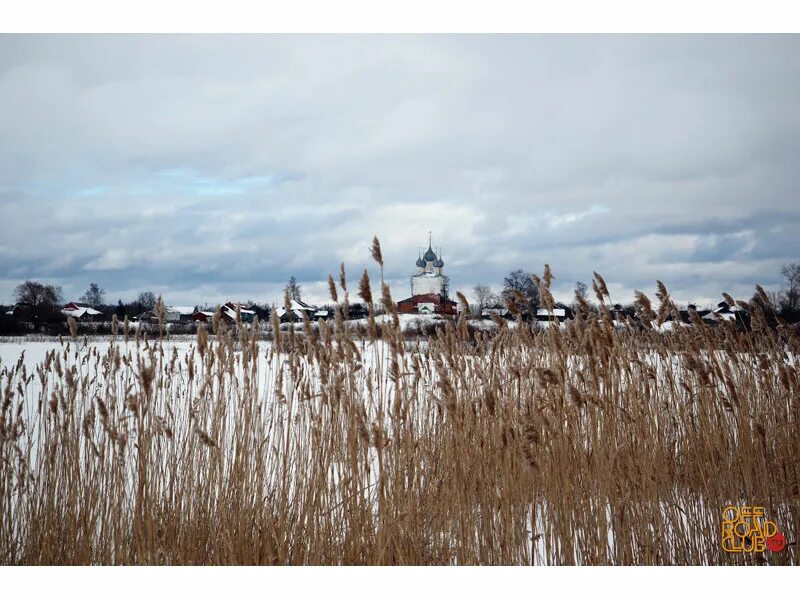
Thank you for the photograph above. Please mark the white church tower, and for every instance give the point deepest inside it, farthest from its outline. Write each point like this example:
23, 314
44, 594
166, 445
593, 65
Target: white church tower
429, 278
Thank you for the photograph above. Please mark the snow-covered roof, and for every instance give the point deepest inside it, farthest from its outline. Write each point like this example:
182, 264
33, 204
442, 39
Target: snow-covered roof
728, 309
298, 307
495, 310
724, 316
231, 312
669, 325
296, 312
79, 305
184, 310
556, 312
77, 314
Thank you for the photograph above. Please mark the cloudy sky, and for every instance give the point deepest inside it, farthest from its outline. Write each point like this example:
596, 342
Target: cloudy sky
209, 168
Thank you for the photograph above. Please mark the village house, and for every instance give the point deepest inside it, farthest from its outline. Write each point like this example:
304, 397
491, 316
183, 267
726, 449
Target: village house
623, 317
21, 312
228, 312
261, 312
295, 312
357, 311
684, 315
560, 312
727, 312
495, 310
81, 312
182, 314
202, 316
354, 312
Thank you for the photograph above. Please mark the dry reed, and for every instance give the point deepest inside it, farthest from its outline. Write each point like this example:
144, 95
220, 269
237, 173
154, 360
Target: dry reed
589, 444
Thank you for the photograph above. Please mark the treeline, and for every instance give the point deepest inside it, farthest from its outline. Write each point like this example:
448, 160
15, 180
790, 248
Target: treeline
520, 294
38, 309
38, 305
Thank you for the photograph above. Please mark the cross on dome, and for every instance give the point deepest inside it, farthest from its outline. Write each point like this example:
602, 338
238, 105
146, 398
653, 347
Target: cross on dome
430, 255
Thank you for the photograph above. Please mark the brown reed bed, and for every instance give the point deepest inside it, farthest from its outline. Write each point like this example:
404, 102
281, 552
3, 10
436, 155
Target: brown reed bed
590, 444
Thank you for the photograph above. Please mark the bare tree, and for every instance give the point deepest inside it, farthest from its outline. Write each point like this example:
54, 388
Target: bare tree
93, 296
581, 290
483, 297
790, 295
146, 301
41, 299
774, 299
581, 301
520, 293
293, 288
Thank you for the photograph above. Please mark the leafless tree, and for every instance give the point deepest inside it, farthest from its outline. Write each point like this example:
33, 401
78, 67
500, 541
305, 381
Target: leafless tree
41, 299
483, 297
581, 290
520, 293
293, 288
93, 296
146, 301
790, 295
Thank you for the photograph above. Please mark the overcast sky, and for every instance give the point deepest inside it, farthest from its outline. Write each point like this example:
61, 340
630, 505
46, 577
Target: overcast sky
212, 168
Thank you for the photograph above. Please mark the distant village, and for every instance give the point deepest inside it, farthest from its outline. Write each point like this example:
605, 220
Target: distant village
40, 308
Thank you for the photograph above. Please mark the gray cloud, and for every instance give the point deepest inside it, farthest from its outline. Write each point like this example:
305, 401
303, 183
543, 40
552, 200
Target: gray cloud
214, 167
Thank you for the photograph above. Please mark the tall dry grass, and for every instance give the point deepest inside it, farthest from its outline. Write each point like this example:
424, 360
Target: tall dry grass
590, 444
